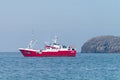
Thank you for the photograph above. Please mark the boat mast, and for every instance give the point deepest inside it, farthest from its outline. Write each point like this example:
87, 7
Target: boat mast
32, 42
30, 46
55, 40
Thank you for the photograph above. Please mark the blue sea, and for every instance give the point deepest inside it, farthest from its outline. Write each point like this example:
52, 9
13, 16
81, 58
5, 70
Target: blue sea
13, 66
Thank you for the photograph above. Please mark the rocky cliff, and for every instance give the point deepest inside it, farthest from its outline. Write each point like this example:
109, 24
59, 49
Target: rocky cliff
102, 44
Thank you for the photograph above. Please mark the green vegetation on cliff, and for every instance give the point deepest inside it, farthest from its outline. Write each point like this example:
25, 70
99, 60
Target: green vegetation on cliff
102, 44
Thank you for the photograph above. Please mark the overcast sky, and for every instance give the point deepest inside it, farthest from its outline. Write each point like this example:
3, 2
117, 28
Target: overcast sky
73, 21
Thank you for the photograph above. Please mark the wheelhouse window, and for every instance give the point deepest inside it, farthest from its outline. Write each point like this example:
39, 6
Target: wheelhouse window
64, 46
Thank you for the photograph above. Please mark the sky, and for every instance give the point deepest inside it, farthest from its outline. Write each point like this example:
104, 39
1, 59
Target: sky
73, 21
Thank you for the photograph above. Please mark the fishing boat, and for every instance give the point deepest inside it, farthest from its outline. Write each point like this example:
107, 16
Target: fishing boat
50, 50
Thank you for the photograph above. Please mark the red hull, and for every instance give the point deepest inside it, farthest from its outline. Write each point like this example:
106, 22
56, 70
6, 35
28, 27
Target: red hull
30, 53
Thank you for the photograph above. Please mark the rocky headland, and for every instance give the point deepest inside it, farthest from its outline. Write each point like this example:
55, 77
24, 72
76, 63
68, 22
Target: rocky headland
102, 44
